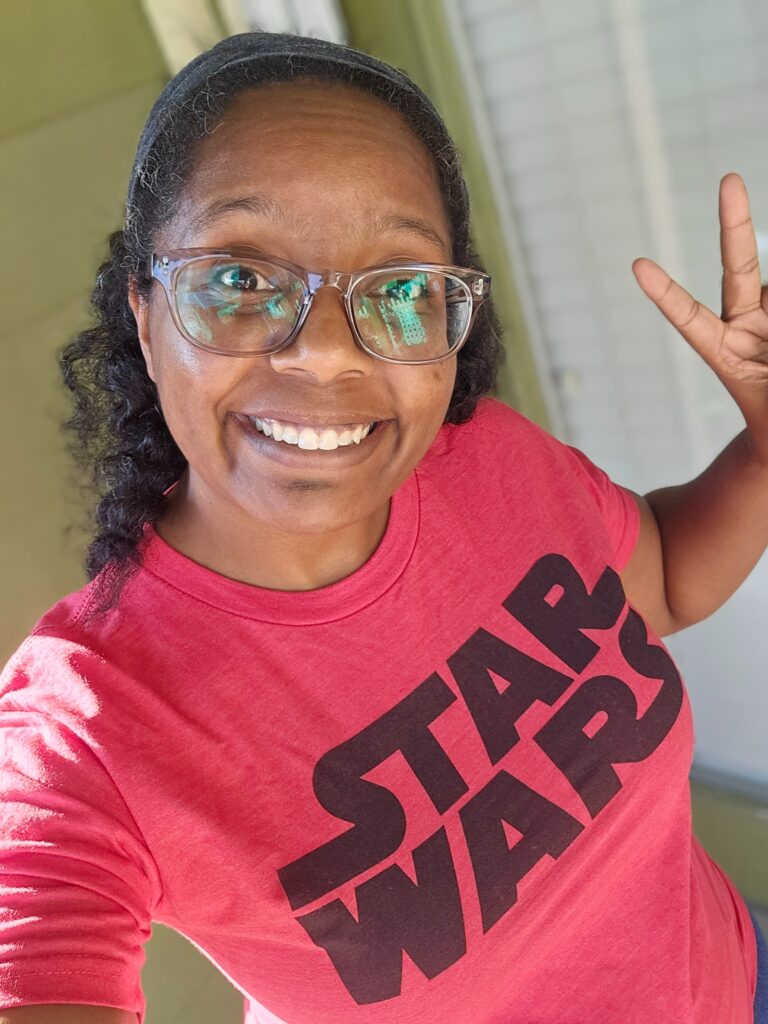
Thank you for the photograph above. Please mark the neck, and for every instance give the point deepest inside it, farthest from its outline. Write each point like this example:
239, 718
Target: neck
229, 542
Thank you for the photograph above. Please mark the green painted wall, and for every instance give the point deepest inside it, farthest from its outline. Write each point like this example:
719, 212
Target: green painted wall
77, 79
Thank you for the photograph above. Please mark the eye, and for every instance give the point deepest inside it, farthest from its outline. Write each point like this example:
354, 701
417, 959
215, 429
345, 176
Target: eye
406, 289
240, 277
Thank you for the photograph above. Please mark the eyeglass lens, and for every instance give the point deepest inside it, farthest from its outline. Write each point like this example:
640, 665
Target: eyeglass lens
252, 306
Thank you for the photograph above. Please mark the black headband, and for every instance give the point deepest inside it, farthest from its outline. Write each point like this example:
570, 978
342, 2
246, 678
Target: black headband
266, 52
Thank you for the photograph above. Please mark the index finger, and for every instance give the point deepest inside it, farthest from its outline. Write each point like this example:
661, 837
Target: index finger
738, 247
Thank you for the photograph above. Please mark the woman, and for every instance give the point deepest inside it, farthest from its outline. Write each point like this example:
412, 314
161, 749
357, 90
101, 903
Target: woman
366, 695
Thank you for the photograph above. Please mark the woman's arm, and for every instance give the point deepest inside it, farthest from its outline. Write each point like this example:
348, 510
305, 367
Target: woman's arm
700, 540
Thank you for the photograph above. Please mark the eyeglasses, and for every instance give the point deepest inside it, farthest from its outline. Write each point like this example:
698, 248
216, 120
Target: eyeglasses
239, 303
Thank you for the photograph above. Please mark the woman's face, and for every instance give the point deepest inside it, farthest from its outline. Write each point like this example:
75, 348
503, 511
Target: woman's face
325, 164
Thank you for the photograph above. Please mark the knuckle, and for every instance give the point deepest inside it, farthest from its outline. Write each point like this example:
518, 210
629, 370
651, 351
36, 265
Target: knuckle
692, 312
746, 268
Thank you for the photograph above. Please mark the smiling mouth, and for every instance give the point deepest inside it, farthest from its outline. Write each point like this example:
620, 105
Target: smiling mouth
311, 439
315, 456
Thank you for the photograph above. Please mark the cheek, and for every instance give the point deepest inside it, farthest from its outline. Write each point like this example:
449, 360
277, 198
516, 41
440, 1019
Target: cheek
446, 374
440, 384
426, 393
175, 359
193, 387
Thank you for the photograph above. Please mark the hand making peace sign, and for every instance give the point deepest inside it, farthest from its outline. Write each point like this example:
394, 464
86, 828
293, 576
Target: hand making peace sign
734, 345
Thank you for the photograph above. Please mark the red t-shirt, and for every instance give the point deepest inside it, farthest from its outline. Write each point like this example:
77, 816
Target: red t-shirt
450, 787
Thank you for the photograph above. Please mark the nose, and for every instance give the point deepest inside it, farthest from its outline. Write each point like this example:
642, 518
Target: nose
325, 347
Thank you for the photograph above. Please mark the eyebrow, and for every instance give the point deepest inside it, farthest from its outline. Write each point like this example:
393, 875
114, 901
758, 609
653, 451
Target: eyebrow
262, 206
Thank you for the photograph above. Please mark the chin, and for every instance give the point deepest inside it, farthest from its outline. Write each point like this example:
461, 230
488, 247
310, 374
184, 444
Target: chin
307, 507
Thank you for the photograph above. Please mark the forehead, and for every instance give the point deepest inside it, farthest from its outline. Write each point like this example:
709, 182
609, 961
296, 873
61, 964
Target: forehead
312, 109
313, 145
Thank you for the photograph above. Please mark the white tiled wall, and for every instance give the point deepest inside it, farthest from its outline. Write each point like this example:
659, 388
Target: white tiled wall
602, 162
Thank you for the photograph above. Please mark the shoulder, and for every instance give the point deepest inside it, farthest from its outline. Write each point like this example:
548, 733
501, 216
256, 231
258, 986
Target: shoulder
499, 439
502, 453
499, 458
60, 646
490, 418
65, 698
492, 412
52, 675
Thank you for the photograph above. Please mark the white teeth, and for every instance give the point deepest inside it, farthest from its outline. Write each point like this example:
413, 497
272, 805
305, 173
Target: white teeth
329, 440
310, 439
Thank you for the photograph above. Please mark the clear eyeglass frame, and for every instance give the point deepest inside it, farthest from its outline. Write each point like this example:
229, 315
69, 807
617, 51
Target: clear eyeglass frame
165, 267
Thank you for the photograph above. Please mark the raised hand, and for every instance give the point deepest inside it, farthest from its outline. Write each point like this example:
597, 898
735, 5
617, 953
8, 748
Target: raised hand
734, 345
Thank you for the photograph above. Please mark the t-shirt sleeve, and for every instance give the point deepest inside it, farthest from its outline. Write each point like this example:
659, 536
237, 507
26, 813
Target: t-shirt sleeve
616, 504
77, 884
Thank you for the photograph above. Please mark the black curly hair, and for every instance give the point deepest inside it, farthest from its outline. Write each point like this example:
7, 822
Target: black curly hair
117, 434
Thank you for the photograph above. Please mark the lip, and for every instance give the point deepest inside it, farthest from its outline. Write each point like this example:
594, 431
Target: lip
314, 459
297, 419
